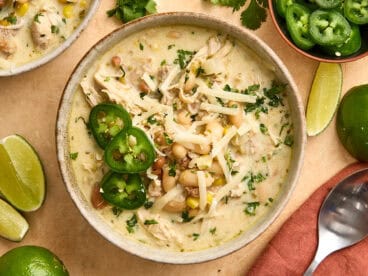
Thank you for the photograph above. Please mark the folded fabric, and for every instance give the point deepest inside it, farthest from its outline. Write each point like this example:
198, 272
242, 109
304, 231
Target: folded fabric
292, 249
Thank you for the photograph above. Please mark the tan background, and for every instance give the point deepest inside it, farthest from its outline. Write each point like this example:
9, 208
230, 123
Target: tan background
28, 105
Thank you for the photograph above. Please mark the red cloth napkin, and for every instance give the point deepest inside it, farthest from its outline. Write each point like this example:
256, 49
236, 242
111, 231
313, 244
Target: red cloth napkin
292, 249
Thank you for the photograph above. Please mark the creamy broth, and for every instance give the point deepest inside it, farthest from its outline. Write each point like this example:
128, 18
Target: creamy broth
29, 29
252, 147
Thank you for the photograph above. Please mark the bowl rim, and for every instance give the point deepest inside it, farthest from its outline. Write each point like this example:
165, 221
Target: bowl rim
305, 53
133, 247
58, 50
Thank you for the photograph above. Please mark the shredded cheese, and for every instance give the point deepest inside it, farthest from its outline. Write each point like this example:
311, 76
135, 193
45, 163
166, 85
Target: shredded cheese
221, 159
170, 195
219, 109
202, 190
186, 137
218, 92
218, 147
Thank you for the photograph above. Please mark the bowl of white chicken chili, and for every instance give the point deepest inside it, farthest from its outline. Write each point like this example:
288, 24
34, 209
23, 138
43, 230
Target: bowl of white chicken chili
33, 32
180, 137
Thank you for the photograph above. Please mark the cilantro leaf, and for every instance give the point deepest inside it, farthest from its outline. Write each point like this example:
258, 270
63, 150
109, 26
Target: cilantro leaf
254, 15
235, 4
127, 10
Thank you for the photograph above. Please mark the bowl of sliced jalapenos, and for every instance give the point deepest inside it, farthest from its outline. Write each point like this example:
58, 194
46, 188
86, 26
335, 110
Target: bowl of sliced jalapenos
324, 30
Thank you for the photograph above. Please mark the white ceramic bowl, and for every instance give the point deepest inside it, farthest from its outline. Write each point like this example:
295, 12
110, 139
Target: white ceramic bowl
90, 213
58, 50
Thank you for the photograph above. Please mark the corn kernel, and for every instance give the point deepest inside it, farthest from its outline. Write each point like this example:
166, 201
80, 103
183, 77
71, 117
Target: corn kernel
122, 80
219, 181
68, 11
83, 3
4, 22
21, 9
209, 198
226, 129
192, 202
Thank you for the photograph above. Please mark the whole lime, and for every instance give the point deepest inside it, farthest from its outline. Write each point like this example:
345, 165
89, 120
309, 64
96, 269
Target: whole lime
31, 261
352, 122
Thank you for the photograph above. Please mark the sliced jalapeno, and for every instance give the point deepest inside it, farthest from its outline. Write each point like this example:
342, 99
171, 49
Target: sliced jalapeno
328, 4
356, 11
106, 120
297, 22
351, 46
282, 5
126, 191
328, 28
130, 152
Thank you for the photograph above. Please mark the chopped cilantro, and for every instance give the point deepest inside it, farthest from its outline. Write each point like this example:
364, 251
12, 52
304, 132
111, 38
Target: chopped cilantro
289, 140
170, 46
227, 88
11, 18
131, 223
185, 216
163, 62
150, 222
199, 71
213, 230
263, 128
184, 57
168, 140
252, 179
36, 17
73, 155
148, 204
116, 211
141, 47
152, 120
127, 10
229, 160
172, 168
55, 29
195, 236
250, 210
274, 94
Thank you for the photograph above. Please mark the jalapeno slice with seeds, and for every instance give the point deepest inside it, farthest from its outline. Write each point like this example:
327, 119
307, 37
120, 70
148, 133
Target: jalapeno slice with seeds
130, 152
328, 4
125, 191
328, 28
351, 46
356, 11
106, 121
297, 22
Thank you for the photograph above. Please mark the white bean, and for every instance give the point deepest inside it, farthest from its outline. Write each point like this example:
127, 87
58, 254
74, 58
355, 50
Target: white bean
179, 151
168, 182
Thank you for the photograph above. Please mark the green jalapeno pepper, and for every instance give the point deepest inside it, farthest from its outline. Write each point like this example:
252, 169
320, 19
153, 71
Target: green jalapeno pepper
356, 11
282, 5
130, 151
351, 46
328, 28
106, 121
125, 191
328, 4
297, 22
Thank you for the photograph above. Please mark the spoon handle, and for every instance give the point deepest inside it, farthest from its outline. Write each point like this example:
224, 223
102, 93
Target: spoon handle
312, 267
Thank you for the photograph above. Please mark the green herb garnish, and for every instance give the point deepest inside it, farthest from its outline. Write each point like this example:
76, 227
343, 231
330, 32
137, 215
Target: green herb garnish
251, 208
131, 223
127, 10
150, 222
73, 155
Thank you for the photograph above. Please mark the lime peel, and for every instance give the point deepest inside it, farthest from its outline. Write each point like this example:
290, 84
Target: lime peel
22, 180
324, 97
12, 224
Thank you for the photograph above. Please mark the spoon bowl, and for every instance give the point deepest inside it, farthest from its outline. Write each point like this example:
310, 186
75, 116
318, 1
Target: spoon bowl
343, 217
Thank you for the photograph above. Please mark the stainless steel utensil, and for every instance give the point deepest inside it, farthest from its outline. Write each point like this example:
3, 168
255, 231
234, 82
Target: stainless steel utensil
343, 217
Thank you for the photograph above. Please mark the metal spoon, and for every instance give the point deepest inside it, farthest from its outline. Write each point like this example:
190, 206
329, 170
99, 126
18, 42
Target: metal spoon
343, 217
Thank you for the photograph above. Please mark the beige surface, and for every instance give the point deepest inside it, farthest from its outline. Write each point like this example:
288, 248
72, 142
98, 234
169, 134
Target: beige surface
28, 105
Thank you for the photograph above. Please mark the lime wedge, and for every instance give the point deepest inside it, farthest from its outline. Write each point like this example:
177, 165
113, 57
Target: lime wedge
12, 225
324, 97
22, 181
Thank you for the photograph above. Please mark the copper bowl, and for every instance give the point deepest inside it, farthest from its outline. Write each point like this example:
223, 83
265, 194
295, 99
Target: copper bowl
316, 53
